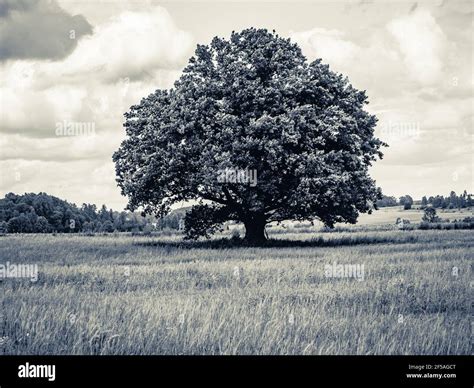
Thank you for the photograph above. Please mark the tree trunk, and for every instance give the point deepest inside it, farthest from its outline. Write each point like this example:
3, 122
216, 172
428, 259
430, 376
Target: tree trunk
255, 231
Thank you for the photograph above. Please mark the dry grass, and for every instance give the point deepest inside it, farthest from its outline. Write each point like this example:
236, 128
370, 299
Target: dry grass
274, 300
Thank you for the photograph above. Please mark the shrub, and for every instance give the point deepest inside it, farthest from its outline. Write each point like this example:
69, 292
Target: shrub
424, 225
430, 215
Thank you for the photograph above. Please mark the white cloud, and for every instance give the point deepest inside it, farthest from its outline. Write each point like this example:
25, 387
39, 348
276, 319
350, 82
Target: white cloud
86, 146
127, 57
410, 70
422, 43
130, 45
368, 66
330, 45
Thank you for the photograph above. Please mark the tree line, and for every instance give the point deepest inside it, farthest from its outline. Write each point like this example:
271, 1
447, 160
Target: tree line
43, 213
453, 201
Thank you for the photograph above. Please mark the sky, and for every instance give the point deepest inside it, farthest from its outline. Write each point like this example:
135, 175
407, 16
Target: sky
82, 64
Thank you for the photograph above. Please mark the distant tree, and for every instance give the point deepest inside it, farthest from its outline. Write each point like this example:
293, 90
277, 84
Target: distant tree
107, 226
3, 227
42, 225
43, 213
424, 201
120, 220
104, 214
89, 211
72, 221
430, 215
469, 201
57, 221
88, 227
386, 201
251, 103
20, 224
406, 201
445, 202
453, 200
462, 199
438, 201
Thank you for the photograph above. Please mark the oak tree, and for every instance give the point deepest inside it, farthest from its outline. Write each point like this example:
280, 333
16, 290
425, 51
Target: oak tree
252, 103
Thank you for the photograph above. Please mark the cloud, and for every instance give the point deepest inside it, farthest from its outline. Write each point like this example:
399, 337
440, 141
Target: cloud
127, 58
411, 52
136, 48
32, 111
87, 145
7, 6
369, 65
418, 76
419, 131
330, 45
131, 45
426, 179
38, 29
422, 43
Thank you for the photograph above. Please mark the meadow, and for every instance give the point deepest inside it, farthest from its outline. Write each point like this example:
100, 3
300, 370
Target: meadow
116, 294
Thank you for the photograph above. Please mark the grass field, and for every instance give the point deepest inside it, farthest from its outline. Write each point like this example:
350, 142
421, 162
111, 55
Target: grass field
142, 295
382, 219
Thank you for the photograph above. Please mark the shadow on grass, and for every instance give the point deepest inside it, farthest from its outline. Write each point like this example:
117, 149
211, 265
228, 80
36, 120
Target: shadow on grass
232, 243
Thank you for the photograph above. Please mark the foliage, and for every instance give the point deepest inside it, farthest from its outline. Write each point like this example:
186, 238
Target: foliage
452, 201
386, 201
406, 201
430, 215
252, 102
43, 213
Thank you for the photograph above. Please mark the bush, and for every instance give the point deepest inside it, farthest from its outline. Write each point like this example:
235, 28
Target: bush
424, 225
430, 215
445, 225
20, 224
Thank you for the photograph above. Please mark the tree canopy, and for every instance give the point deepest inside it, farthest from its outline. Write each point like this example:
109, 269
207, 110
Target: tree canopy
252, 103
43, 213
